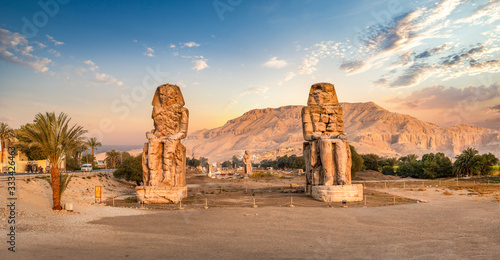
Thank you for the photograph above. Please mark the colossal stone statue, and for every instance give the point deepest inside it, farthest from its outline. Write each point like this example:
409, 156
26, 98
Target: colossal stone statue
247, 159
327, 154
164, 157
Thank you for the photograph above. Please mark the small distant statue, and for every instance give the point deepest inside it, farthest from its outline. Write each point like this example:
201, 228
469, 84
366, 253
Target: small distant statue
164, 157
209, 167
247, 159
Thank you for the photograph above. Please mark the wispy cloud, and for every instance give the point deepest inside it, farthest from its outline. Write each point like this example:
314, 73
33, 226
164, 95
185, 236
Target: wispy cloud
51, 39
275, 63
413, 46
199, 63
106, 79
447, 106
259, 90
92, 66
15, 49
96, 76
149, 52
54, 52
446, 97
191, 44
484, 14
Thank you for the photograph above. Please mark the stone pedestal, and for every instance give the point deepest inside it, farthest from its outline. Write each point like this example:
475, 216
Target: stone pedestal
160, 194
338, 193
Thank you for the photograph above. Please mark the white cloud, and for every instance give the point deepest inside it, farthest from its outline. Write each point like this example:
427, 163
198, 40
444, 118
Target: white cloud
96, 76
54, 40
15, 49
275, 63
254, 90
54, 52
172, 46
180, 83
308, 65
259, 90
91, 65
106, 79
149, 52
289, 76
200, 64
191, 44
40, 45
485, 14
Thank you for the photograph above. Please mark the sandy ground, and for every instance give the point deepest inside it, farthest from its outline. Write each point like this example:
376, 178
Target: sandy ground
447, 227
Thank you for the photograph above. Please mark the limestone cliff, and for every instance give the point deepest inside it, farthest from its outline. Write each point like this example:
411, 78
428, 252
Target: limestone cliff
369, 127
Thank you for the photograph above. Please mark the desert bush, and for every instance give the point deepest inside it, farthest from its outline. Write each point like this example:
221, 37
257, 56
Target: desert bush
357, 162
371, 161
388, 170
130, 169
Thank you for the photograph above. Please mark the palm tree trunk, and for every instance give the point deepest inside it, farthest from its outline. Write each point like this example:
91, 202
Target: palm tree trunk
56, 185
92, 157
3, 146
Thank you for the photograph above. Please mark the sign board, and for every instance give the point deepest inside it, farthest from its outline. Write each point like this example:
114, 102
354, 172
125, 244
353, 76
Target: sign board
97, 193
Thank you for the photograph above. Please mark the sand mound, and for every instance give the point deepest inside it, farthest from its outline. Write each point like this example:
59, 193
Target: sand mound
373, 176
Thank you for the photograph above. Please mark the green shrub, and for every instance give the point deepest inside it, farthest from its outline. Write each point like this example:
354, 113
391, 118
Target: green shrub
388, 170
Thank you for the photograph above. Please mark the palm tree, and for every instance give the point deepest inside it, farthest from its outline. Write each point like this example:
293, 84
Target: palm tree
78, 150
465, 161
53, 135
112, 156
6, 135
93, 144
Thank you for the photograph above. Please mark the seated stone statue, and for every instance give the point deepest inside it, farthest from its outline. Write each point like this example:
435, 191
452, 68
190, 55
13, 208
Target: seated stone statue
326, 151
164, 156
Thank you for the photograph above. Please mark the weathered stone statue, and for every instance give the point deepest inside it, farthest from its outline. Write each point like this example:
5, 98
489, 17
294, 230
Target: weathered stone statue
247, 159
209, 167
326, 151
164, 157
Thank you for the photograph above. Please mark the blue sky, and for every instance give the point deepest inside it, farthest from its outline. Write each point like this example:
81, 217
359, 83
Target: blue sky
100, 61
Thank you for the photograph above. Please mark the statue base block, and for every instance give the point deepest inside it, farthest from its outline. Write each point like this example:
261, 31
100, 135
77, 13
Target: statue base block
160, 194
338, 193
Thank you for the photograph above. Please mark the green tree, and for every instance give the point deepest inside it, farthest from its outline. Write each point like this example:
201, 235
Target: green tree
436, 166
87, 158
236, 162
112, 156
226, 164
484, 162
93, 144
32, 152
357, 162
71, 164
465, 162
130, 169
388, 162
55, 137
371, 161
193, 162
6, 136
387, 170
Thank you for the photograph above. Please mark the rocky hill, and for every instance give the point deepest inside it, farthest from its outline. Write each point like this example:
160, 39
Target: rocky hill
369, 127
